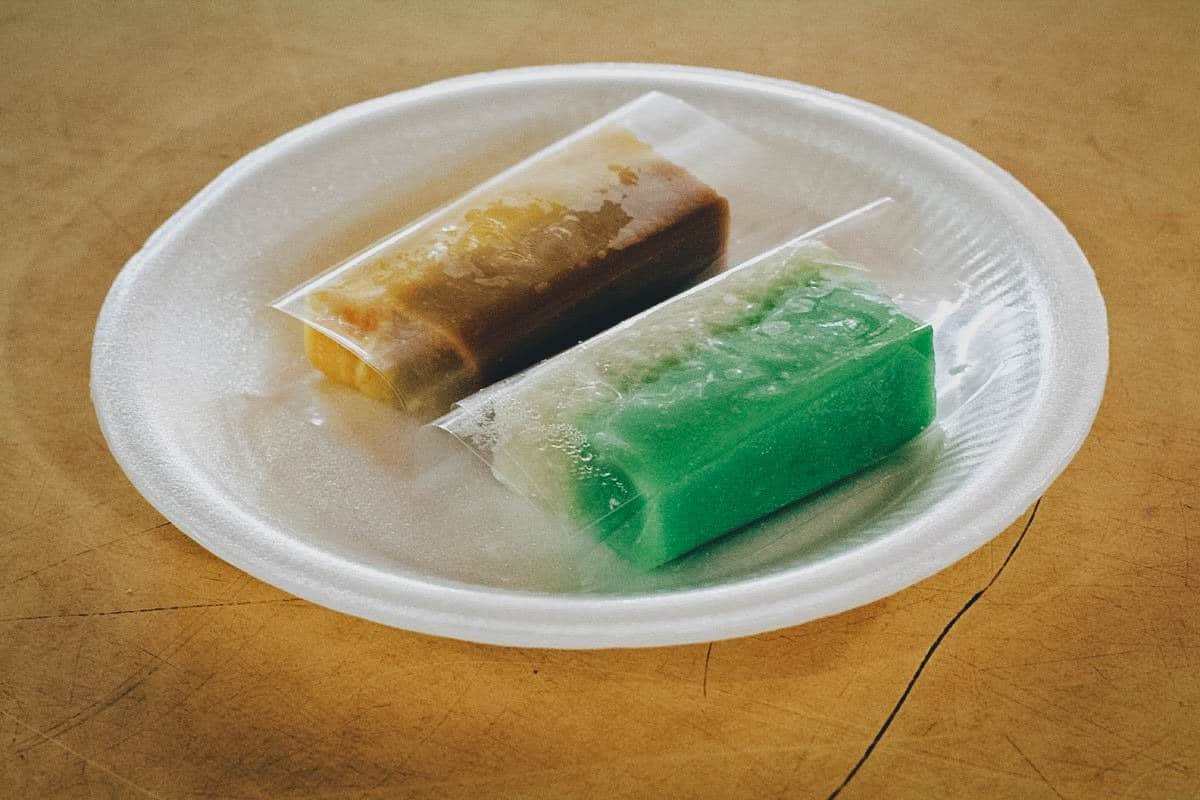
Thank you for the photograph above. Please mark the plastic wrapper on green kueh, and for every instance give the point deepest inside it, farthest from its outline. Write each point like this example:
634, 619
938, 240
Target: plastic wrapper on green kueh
762, 385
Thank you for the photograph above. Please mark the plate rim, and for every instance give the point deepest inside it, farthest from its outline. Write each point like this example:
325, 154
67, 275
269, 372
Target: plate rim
735, 608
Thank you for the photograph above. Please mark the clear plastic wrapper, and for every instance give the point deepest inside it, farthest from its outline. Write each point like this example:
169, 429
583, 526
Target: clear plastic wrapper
602, 224
764, 384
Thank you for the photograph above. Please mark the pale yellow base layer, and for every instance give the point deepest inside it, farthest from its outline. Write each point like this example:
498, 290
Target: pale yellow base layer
342, 366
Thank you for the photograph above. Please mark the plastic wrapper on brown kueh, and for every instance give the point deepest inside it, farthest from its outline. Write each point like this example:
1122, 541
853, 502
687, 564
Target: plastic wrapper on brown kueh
583, 234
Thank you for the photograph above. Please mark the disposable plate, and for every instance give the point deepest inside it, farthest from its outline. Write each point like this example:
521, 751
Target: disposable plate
206, 400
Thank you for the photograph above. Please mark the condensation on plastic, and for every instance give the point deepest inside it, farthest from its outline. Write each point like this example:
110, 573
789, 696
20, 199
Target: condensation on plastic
525, 428
455, 300
203, 394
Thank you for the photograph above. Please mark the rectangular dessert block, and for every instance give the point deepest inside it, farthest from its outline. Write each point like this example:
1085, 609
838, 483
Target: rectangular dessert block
811, 386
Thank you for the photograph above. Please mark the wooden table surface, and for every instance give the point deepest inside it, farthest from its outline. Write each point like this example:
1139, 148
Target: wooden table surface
135, 664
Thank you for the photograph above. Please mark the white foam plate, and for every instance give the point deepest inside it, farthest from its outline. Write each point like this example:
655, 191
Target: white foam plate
204, 396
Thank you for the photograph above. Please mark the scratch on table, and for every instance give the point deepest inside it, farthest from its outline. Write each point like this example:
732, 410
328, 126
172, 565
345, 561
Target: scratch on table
81, 716
887, 723
1062, 660
75, 666
132, 239
118, 612
1034, 767
37, 498
100, 546
139, 676
94, 764
707, 657
1094, 143
338, 730
187, 695
1069, 718
451, 707
913, 752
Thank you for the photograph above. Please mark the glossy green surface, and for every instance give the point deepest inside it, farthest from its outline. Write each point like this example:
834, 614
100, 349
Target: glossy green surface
817, 381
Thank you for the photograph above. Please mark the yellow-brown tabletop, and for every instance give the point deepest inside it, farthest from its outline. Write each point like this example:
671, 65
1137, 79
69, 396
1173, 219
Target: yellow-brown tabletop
1061, 660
